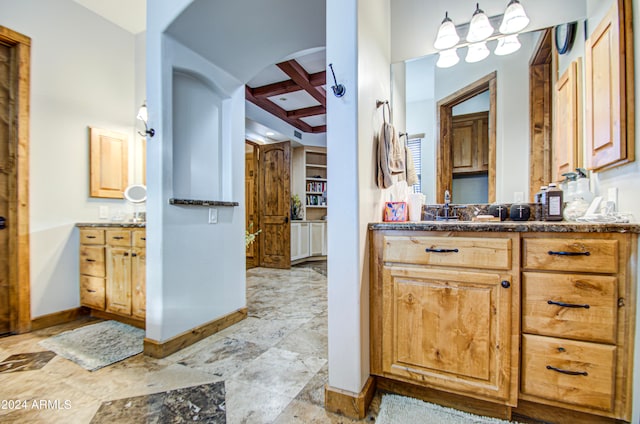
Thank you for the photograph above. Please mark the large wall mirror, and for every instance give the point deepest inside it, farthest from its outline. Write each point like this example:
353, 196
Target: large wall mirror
509, 100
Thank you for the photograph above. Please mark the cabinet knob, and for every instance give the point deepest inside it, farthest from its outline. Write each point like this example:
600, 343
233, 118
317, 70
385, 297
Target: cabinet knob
134, 255
505, 284
126, 253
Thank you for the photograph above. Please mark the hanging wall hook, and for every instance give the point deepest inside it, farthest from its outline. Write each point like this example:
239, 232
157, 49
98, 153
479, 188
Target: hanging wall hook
338, 89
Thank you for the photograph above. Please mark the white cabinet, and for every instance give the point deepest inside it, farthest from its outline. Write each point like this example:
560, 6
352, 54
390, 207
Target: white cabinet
317, 239
299, 240
308, 239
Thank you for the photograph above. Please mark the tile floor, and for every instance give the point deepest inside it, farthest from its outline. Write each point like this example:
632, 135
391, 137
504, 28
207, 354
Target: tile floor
269, 368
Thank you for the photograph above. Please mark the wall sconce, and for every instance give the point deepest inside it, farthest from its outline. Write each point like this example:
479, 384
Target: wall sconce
479, 32
143, 115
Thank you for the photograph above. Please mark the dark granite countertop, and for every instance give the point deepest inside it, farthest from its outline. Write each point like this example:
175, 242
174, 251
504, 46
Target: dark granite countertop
112, 224
508, 226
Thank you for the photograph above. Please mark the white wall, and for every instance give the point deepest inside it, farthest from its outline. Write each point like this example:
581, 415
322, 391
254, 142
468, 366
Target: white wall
82, 74
358, 45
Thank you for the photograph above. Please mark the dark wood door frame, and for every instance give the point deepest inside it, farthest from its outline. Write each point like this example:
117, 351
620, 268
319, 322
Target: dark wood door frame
18, 219
541, 82
444, 167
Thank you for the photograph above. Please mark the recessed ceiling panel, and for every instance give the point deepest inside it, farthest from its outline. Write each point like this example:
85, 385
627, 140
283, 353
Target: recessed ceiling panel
316, 120
296, 100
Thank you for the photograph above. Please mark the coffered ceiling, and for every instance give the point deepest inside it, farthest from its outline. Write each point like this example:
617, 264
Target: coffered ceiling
294, 90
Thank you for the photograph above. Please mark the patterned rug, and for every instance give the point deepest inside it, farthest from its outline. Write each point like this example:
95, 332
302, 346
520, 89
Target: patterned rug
395, 409
98, 345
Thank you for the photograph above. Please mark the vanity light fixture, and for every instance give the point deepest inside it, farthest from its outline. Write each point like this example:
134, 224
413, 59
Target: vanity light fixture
447, 58
507, 45
143, 115
476, 52
480, 31
480, 28
447, 35
515, 19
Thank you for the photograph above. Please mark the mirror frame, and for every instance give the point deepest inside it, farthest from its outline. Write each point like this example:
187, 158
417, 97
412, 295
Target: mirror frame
444, 166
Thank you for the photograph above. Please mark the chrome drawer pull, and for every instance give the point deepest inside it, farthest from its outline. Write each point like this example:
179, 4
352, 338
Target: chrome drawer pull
428, 249
567, 305
549, 367
561, 253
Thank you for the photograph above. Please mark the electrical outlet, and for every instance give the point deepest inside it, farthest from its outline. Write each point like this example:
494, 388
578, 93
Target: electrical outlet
104, 212
213, 216
612, 196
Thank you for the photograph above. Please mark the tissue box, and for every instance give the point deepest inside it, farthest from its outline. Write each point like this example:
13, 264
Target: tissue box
395, 212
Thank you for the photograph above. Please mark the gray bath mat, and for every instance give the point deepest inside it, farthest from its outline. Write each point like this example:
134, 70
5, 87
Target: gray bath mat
98, 345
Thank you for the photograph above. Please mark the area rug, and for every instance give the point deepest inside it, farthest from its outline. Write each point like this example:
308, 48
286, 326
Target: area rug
395, 409
98, 345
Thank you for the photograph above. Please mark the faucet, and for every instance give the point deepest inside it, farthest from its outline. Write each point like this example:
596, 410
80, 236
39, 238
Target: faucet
447, 201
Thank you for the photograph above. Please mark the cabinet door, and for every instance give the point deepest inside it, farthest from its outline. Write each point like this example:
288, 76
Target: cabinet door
317, 239
138, 283
605, 94
449, 329
295, 241
304, 240
470, 143
568, 122
118, 284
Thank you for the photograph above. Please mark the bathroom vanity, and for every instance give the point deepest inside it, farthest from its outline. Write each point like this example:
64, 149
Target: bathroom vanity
112, 271
506, 319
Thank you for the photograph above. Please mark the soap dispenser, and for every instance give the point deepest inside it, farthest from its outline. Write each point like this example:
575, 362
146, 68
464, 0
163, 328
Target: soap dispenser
569, 186
583, 186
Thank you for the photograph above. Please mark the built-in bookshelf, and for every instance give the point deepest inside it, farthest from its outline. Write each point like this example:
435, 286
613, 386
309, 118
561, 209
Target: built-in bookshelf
309, 178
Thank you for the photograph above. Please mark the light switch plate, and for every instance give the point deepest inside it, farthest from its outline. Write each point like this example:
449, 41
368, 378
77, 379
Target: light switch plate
213, 216
104, 212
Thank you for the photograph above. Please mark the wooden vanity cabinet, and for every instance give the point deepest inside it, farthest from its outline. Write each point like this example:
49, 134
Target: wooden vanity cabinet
112, 271
577, 326
445, 312
536, 324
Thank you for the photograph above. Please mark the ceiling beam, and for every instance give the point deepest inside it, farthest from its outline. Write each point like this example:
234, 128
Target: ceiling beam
297, 73
307, 111
276, 89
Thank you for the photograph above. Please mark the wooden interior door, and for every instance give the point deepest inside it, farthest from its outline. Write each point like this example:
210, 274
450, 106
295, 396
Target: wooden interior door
251, 201
15, 297
274, 194
5, 171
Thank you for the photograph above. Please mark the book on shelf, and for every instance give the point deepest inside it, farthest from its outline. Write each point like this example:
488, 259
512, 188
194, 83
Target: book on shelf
317, 186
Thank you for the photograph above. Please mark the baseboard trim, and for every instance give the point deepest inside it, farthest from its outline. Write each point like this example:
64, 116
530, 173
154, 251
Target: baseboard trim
56, 318
158, 349
127, 320
349, 404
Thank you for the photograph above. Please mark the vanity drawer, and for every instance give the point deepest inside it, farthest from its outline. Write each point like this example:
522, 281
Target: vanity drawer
119, 237
576, 306
91, 236
92, 292
571, 254
92, 261
568, 371
139, 238
466, 252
